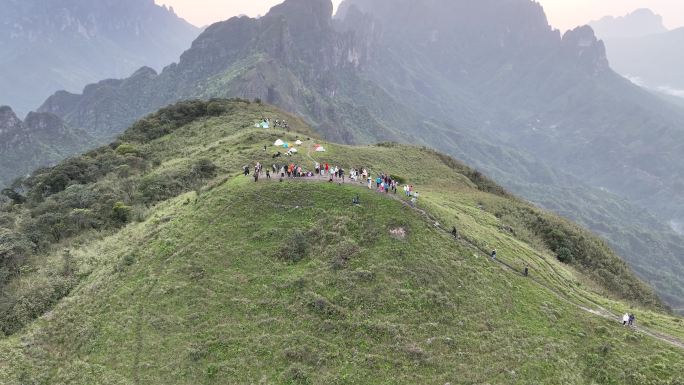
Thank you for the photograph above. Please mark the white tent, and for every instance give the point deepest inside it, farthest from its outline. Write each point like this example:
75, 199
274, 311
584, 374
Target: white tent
264, 125
278, 143
299, 143
293, 150
320, 149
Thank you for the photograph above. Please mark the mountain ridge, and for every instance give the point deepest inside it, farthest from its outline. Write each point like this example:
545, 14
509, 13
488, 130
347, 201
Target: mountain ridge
198, 273
66, 44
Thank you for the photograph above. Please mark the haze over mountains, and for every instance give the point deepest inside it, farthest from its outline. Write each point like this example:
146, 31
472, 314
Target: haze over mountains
46, 46
490, 82
154, 257
642, 49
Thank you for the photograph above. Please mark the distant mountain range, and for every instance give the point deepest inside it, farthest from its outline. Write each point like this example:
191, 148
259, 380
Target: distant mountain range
489, 82
38, 140
642, 49
46, 46
641, 22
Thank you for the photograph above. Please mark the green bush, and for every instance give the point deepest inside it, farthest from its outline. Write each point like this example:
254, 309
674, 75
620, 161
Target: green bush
295, 249
127, 149
121, 212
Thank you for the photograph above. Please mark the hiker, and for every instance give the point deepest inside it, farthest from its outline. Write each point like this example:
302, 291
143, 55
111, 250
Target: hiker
632, 318
378, 182
494, 254
341, 171
245, 169
414, 201
454, 232
256, 176
625, 319
268, 174
370, 183
326, 168
527, 271
318, 168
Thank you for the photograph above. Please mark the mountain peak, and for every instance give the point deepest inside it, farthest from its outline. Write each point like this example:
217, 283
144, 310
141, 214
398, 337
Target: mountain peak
585, 49
641, 22
8, 120
318, 10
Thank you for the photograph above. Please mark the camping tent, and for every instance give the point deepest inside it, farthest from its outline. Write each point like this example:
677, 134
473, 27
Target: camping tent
299, 143
264, 124
293, 150
286, 145
320, 149
278, 143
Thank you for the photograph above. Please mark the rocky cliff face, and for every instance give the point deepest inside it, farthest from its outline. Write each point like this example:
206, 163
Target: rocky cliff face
9, 122
295, 57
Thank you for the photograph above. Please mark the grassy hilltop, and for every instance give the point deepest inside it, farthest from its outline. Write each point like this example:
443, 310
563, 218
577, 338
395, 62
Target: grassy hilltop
153, 261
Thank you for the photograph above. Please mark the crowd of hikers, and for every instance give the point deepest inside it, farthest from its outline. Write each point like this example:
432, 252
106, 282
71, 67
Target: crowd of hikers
382, 183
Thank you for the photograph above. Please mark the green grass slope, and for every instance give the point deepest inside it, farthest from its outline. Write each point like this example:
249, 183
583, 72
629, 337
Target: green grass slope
223, 280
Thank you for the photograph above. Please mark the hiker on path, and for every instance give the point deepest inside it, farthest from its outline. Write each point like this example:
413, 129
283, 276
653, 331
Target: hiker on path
370, 183
494, 254
632, 318
256, 176
327, 168
268, 174
527, 271
625, 319
341, 171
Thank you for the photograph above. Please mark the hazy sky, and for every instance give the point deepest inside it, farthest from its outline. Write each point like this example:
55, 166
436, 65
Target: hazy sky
563, 14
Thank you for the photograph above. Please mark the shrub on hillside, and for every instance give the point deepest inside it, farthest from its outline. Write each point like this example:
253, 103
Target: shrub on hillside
121, 212
295, 249
14, 250
127, 149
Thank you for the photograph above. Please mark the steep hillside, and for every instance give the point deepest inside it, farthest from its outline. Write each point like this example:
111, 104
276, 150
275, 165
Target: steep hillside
66, 44
542, 113
197, 274
40, 140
